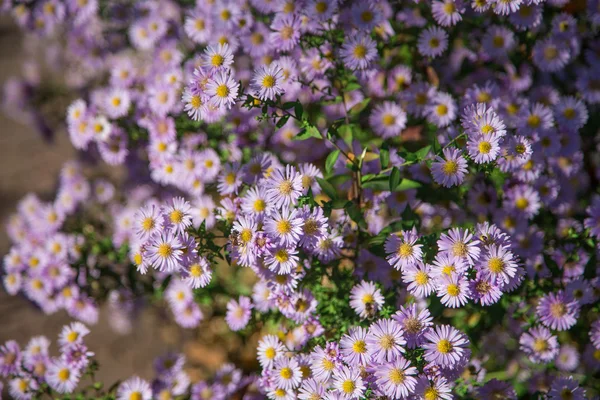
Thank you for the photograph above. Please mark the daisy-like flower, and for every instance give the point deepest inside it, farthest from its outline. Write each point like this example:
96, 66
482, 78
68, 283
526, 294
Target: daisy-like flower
550, 55
453, 290
134, 388
522, 200
366, 299
485, 290
230, 179
269, 349
498, 263
447, 12
117, 103
321, 10
311, 389
385, 340
388, 120
396, 379
432, 42
178, 214
358, 52
566, 388
222, 89
21, 388
415, 323
484, 149
284, 186
419, 279
198, 26
287, 30
72, 334
10, 358
62, 377
267, 81
450, 170
445, 346
460, 243
442, 109
325, 361
505, 7
539, 344
403, 250
446, 264
165, 251
197, 274
571, 113
285, 225
353, 347
238, 313
218, 58
256, 203
436, 389
287, 374
194, 103
498, 41
557, 311
348, 382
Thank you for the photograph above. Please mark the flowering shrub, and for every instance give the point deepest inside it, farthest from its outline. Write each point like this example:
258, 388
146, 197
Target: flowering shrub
412, 186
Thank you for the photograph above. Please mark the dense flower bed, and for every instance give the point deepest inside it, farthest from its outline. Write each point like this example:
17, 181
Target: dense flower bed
413, 184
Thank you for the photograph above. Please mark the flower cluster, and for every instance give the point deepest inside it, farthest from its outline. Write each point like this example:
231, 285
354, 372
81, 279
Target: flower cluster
311, 172
31, 368
464, 268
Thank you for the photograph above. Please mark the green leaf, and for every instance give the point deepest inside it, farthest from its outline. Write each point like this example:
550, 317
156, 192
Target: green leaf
328, 188
406, 184
380, 183
298, 110
282, 121
422, 153
307, 133
360, 106
352, 86
288, 105
384, 156
394, 178
330, 161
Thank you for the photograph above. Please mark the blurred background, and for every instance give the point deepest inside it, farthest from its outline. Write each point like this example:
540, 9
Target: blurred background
28, 163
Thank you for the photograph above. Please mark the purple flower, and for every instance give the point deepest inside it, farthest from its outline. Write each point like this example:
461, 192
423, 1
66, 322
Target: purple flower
10, 358
396, 379
445, 346
451, 170
238, 313
539, 344
415, 324
557, 311
358, 52
165, 252
348, 382
366, 299
385, 340
403, 250
566, 388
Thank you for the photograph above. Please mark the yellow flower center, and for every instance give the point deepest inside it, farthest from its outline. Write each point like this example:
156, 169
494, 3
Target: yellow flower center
396, 376
387, 342
64, 374
534, 121
569, 113
217, 60
444, 346
196, 102
286, 373
176, 216
360, 51
558, 310
196, 270
496, 265
135, 396
430, 394
459, 249
421, 278
165, 250
450, 167
540, 345
348, 386
282, 255
522, 203
286, 187
441, 109
485, 147
388, 120
269, 81
246, 235
453, 289
360, 346
222, 90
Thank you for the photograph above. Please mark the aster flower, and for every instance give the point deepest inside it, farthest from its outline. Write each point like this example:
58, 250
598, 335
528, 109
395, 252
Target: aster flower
447, 12
385, 340
238, 313
222, 89
485, 290
484, 149
432, 42
396, 379
403, 250
285, 226
387, 120
366, 299
353, 347
436, 389
539, 344
445, 346
451, 170
267, 81
442, 109
557, 311
178, 213
358, 52
197, 274
218, 58
563, 387
453, 290
496, 388
419, 279
165, 251
311, 389
134, 388
284, 187
61, 377
325, 361
461, 244
10, 358
269, 349
348, 382
415, 323
287, 373
72, 334
287, 30
498, 263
